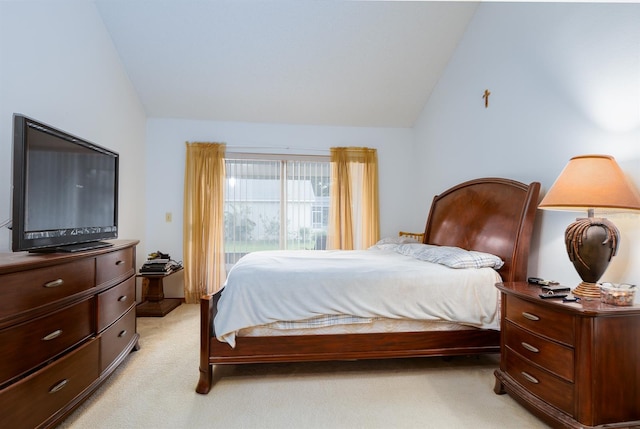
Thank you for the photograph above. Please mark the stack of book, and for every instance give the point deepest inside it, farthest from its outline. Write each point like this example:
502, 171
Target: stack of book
157, 266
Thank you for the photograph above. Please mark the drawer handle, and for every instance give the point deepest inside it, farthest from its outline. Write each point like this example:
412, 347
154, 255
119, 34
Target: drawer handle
119, 262
51, 336
122, 298
54, 283
58, 386
530, 347
122, 334
530, 377
530, 316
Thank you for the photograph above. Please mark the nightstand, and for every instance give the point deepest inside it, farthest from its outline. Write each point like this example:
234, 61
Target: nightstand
573, 365
154, 303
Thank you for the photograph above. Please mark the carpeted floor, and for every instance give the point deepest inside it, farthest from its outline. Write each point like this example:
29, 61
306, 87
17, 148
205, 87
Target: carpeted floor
155, 388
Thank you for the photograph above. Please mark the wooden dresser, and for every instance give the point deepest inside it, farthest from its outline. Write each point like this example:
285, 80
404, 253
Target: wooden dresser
66, 322
574, 365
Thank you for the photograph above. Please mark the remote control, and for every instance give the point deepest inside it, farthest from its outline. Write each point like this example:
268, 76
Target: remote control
556, 288
542, 282
553, 295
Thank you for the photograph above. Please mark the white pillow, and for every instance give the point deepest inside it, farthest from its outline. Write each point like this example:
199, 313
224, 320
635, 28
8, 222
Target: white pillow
453, 257
390, 243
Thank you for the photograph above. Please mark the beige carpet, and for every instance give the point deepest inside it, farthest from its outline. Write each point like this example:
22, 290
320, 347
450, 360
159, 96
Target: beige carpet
154, 388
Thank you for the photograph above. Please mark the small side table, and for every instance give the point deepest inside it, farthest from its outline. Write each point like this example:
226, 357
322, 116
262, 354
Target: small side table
156, 305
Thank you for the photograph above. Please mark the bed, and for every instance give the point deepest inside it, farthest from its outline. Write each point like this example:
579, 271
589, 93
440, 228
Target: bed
493, 216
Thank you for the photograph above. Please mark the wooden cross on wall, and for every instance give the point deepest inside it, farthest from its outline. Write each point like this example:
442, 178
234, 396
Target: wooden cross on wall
486, 98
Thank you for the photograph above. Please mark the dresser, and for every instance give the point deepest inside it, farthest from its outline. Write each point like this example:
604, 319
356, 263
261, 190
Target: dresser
66, 322
574, 365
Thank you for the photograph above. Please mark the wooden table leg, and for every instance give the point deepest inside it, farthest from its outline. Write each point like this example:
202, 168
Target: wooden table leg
156, 305
155, 290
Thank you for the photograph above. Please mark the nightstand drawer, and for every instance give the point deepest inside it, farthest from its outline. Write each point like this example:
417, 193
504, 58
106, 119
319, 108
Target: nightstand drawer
552, 356
547, 387
541, 320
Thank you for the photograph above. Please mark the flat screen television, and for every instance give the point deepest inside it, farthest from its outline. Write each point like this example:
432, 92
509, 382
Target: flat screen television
65, 190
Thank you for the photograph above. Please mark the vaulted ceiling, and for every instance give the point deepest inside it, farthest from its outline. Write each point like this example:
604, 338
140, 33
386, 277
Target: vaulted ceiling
340, 63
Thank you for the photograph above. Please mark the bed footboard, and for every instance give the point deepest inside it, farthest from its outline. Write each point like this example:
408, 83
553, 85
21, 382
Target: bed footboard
208, 308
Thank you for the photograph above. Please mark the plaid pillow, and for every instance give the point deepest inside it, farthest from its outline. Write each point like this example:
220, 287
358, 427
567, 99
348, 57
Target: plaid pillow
453, 257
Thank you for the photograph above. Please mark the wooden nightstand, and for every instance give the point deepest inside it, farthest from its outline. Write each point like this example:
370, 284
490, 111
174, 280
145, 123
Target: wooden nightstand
154, 303
573, 365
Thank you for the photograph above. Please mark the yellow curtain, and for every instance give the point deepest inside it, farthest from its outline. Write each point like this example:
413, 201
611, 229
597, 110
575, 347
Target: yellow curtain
203, 229
354, 215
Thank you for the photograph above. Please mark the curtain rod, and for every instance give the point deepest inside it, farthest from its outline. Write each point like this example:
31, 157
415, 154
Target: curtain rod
235, 147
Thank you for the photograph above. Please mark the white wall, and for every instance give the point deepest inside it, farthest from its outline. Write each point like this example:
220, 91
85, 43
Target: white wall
58, 65
165, 156
564, 81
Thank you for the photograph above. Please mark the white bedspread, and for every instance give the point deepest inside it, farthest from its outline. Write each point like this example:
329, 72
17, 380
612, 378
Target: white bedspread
264, 287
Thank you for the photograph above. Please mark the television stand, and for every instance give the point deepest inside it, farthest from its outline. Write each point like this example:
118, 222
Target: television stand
68, 322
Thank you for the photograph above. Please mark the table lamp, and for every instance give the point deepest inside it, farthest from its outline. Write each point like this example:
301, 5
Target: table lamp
591, 182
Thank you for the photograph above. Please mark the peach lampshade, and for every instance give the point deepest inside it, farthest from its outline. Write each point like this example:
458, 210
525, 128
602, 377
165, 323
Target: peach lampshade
591, 181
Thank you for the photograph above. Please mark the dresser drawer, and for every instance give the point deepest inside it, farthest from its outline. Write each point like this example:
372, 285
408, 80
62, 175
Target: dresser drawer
24, 290
114, 266
30, 344
546, 386
541, 320
115, 339
114, 302
554, 357
31, 401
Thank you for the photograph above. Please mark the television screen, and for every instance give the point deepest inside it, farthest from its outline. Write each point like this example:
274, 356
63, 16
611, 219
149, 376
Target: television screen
65, 190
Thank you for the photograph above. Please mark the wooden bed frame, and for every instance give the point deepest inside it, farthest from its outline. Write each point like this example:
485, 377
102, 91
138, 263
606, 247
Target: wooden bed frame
490, 215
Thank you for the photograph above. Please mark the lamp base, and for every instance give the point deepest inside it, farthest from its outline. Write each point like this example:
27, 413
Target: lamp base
587, 290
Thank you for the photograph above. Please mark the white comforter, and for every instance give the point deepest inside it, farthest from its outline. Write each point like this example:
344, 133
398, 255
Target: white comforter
268, 286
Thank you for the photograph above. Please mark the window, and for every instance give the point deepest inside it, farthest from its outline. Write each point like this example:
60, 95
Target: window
275, 202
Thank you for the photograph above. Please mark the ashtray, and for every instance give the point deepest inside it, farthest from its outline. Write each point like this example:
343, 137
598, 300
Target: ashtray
617, 294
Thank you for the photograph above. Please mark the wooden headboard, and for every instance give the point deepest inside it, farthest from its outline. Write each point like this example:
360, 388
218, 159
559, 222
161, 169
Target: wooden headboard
490, 215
